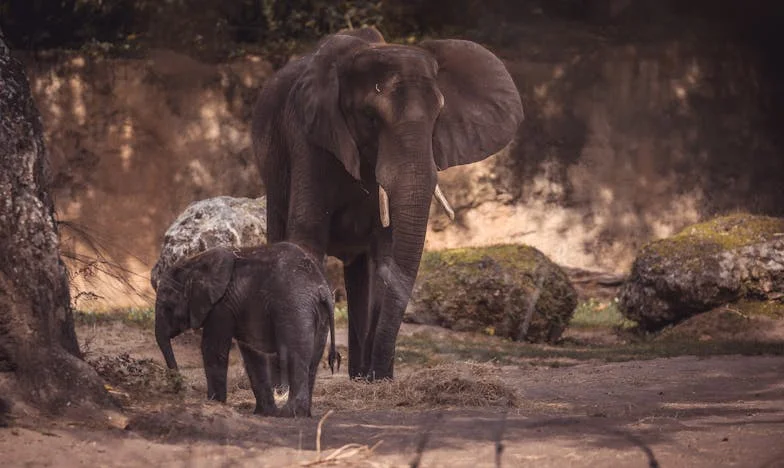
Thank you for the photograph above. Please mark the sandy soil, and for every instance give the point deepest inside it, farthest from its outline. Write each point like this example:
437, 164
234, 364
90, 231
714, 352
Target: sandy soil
678, 412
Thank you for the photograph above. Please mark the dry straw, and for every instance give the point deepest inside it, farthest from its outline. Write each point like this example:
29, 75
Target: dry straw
460, 384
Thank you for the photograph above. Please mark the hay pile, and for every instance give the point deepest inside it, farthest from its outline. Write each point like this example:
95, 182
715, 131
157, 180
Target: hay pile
462, 384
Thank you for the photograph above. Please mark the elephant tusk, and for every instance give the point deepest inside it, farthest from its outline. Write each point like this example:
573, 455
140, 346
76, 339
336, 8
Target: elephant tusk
383, 206
443, 201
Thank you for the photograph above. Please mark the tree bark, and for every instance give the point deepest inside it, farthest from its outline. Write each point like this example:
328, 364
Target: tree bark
37, 338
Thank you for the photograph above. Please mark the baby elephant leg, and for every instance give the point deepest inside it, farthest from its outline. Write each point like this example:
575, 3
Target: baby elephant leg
215, 347
296, 352
256, 366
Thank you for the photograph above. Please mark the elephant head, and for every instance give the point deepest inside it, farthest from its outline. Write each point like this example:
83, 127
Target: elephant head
394, 115
186, 294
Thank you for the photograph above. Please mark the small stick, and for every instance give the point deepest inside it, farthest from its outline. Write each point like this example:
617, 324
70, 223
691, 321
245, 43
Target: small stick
318, 433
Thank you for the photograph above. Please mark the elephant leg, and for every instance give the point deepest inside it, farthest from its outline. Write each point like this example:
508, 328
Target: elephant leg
390, 317
215, 346
299, 400
319, 344
295, 345
357, 280
258, 373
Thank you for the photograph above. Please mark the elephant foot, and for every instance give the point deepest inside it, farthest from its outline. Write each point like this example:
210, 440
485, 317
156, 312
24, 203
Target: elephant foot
298, 411
266, 411
218, 398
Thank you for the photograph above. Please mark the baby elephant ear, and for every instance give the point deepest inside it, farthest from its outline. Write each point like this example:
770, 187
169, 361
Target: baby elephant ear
482, 107
209, 278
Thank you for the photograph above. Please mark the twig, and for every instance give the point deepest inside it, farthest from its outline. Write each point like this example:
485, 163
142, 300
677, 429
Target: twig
346, 451
318, 433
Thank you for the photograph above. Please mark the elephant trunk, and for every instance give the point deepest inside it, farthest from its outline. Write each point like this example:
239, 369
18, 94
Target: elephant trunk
383, 204
163, 337
407, 177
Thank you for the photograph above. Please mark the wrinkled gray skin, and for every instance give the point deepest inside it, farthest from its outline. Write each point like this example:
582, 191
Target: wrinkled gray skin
272, 299
357, 114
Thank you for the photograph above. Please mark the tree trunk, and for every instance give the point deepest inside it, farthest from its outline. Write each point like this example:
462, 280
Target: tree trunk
38, 344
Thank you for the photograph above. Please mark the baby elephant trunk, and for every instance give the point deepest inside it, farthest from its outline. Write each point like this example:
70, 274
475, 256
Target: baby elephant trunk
163, 338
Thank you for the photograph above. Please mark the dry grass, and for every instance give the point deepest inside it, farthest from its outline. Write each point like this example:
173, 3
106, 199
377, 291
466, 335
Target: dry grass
129, 378
444, 385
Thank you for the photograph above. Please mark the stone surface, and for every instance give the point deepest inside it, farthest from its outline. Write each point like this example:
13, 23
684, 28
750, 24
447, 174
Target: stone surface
225, 221
512, 291
706, 265
219, 221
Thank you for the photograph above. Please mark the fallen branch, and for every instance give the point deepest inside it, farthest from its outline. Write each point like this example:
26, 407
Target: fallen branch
343, 453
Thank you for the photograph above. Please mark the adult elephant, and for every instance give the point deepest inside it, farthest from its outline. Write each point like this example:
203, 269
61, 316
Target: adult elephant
349, 140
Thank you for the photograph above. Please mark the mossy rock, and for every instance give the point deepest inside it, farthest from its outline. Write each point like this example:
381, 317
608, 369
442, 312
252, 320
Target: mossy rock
706, 265
513, 291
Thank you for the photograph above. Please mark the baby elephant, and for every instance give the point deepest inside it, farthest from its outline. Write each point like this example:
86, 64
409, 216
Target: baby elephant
272, 299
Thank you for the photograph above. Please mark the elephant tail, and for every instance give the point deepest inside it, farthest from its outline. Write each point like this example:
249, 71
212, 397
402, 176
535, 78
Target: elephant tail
333, 357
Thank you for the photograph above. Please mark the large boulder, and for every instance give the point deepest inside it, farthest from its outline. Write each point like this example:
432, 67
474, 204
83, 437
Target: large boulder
512, 291
704, 266
228, 222
220, 221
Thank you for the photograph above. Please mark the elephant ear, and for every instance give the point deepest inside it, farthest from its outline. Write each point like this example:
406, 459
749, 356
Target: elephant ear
209, 277
316, 100
482, 107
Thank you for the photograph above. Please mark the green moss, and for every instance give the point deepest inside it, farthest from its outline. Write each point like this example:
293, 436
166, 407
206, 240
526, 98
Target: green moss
521, 257
697, 246
736, 230
490, 289
724, 233
754, 308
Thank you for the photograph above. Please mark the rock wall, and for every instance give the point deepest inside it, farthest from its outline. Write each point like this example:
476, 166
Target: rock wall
626, 139
133, 142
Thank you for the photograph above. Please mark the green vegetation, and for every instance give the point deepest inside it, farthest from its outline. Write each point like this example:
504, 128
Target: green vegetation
218, 29
424, 348
593, 313
138, 316
341, 314
213, 28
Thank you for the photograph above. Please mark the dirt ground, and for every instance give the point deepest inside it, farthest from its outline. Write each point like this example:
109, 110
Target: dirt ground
670, 412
